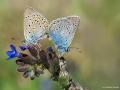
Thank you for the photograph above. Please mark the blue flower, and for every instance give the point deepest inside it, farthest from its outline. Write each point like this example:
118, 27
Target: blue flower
49, 49
23, 47
13, 52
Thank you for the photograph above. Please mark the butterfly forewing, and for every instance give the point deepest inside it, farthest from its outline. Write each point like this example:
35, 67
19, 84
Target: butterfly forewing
62, 31
35, 26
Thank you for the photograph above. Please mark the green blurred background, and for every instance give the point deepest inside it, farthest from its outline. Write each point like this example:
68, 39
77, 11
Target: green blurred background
98, 38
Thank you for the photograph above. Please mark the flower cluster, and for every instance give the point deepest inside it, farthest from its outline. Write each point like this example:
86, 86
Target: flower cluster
33, 63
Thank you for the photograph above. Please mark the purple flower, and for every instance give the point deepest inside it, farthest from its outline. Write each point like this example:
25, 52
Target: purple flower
50, 49
13, 52
23, 47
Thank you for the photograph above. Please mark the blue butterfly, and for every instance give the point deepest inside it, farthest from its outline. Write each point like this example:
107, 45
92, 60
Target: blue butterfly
61, 30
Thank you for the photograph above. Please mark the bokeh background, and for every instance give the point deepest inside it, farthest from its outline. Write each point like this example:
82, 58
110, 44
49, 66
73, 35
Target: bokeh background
98, 38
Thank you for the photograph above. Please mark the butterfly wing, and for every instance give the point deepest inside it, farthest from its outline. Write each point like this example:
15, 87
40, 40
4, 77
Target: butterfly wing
62, 31
35, 26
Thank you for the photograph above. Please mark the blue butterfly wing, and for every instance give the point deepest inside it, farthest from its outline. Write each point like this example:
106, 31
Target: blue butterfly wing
62, 31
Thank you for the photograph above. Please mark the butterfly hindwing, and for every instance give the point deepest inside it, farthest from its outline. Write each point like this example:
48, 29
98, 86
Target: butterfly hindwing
62, 31
35, 26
